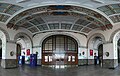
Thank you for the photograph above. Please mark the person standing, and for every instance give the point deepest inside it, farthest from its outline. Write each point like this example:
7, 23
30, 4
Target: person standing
95, 59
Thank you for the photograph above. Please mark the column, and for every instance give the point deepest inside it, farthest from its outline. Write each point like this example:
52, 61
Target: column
9, 59
109, 56
82, 55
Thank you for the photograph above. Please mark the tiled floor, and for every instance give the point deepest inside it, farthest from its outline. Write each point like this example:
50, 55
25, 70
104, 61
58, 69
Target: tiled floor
90, 70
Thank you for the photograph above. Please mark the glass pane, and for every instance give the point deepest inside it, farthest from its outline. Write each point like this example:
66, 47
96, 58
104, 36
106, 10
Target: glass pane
69, 58
73, 58
65, 26
40, 28
35, 22
104, 8
117, 10
60, 44
50, 58
50, 47
54, 26
46, 58
2, 9
33, 29
115, 6
4, 5
109, 12
10, 11
62, 56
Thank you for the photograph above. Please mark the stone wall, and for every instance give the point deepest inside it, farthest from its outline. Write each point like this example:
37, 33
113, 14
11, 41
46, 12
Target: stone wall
110, 63
82, 62
9, 63
90, 61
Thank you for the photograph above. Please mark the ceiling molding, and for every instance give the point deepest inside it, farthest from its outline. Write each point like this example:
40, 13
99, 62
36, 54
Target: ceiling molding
22, 1
98, 1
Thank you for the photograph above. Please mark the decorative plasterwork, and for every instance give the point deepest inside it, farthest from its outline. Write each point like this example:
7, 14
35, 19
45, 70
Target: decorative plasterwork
22, 34
96, 35
7, 10
32, 19
113, 34
112, 11
59, 33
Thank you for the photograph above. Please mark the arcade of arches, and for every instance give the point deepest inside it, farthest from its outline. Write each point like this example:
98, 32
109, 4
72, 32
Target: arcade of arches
65, 34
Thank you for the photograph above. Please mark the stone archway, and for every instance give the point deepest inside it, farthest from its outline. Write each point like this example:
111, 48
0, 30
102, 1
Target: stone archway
96, 35
25, 37
113, 34
93, 45
59, 50
60, 33
114, 38
25, 42
38, 48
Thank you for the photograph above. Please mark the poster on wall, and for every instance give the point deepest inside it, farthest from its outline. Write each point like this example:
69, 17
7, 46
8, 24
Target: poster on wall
91, 52
28, 52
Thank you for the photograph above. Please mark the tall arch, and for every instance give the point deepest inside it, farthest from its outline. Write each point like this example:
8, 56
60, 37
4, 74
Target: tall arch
22, 34
96, 35
25, 37
26, 44
67, 34
59, 50
113, 34
114, 38
94, 41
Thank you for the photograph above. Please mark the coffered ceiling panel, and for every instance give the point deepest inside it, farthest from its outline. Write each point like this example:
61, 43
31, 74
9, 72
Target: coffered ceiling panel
82, 18
8, 10
59, 17
65, 26
112, 11
33, 29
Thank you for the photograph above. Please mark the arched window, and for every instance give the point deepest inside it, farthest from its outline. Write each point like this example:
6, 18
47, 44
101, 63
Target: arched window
60, 43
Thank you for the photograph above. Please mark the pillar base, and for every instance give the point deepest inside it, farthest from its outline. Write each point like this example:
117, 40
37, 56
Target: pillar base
110, 63
90, 61
82, 61
8, 63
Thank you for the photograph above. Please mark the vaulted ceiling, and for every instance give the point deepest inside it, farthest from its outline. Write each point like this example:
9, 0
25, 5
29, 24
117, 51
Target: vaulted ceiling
82, 16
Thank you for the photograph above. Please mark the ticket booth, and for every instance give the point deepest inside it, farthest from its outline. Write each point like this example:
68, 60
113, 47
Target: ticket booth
33, 60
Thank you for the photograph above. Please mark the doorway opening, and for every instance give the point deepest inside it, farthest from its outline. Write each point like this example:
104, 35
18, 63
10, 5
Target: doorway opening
100, 54
59, 50
0, 50
118, 49
18, 54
